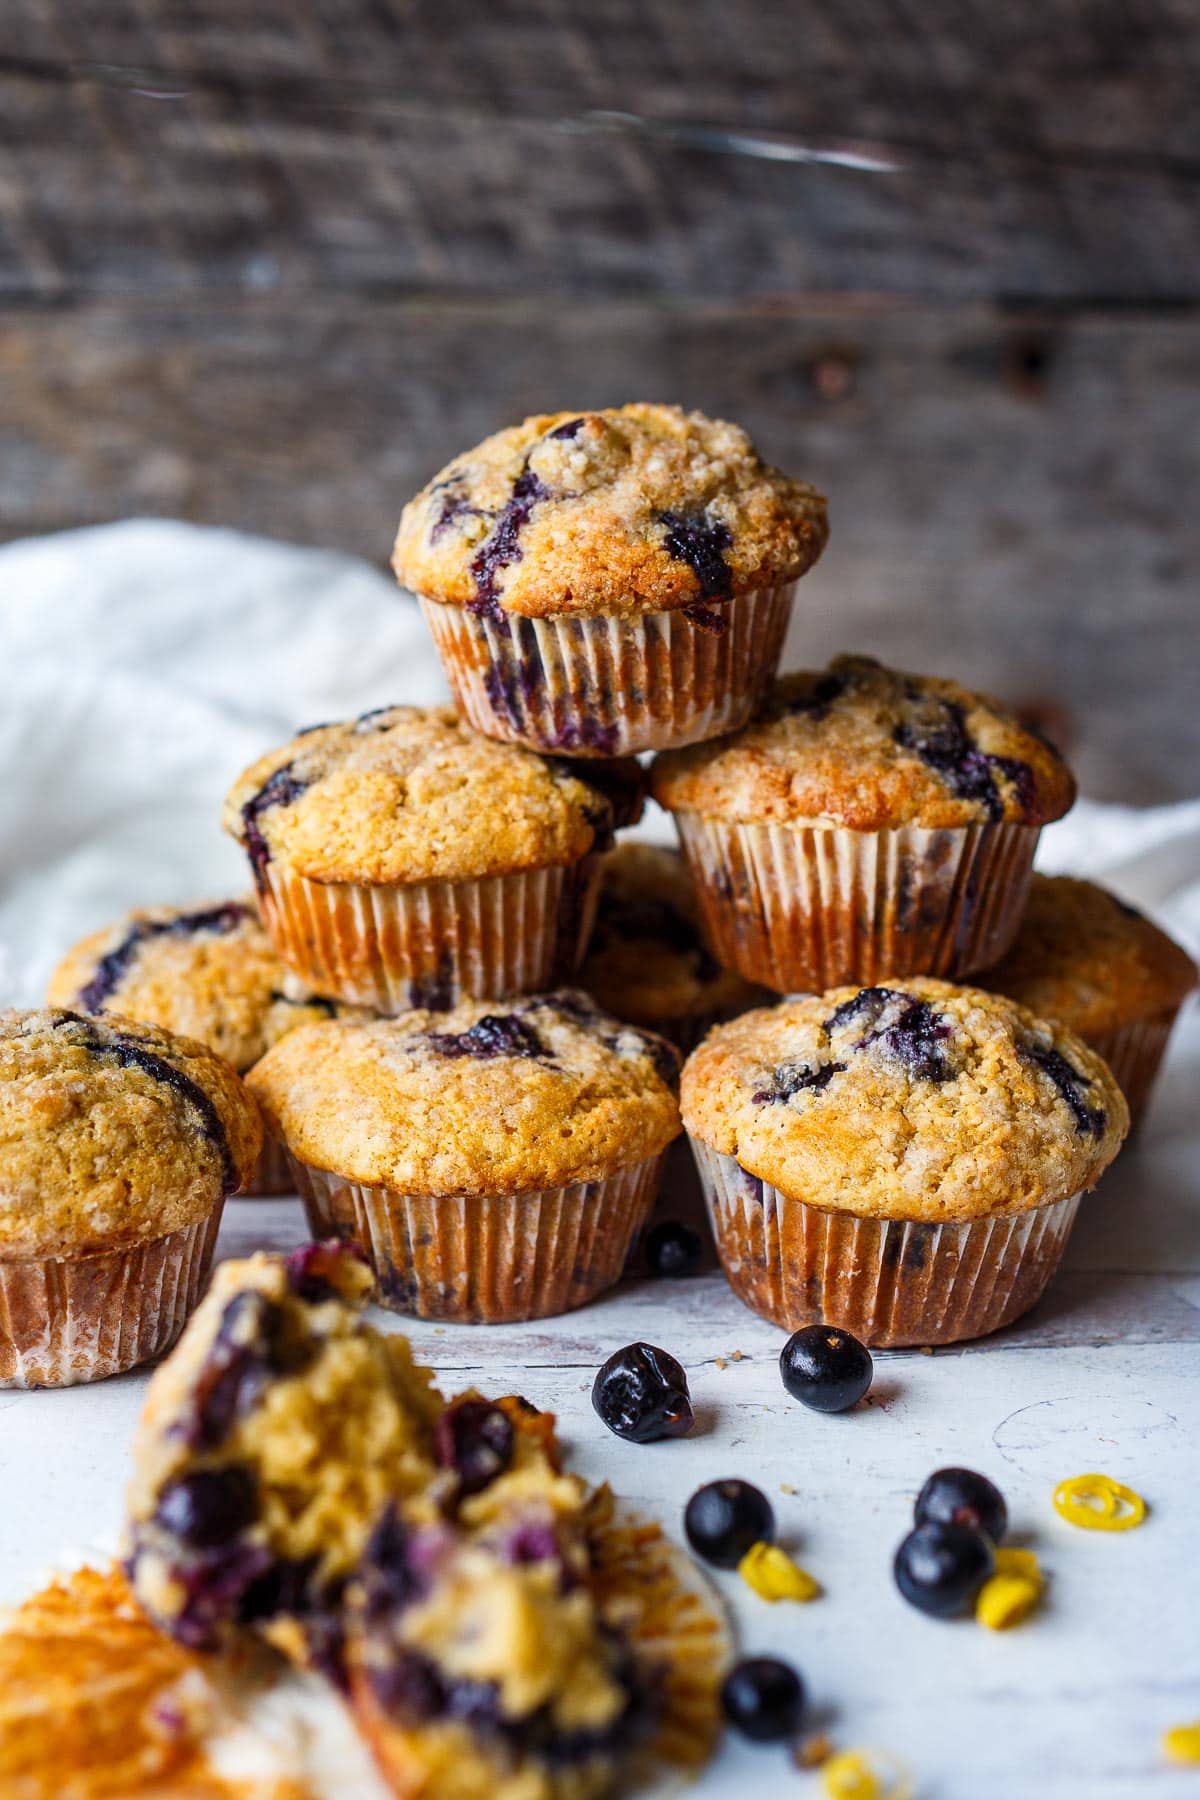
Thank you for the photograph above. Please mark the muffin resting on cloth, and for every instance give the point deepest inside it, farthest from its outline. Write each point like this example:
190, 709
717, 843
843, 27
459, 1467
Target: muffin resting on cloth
609, 582
904, 1161
495, 1163
1096, 965
402, 860
119, 1143
207, 971
868, 823
296, 1473
647, 961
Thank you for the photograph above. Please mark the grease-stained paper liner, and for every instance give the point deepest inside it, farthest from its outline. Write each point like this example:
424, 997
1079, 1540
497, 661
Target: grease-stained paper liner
430, 943
488, 1259
1134, 1052
81, 1318
889, 1281
803, 908
601, 685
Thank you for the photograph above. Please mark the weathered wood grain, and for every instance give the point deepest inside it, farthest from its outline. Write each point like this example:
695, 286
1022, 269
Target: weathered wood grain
1045, 152
1008, 496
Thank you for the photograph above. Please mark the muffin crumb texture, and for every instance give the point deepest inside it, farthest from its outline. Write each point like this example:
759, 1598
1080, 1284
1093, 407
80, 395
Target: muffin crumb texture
640, 508
865, 747
921, 1100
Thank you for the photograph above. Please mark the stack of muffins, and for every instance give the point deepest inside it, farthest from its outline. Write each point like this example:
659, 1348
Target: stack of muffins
891, 1152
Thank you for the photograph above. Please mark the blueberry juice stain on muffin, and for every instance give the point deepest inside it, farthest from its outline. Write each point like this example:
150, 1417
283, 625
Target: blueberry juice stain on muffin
938, 734
114, 966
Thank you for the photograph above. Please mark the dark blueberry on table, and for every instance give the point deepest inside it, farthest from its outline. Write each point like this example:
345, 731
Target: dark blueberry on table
641, 1393
723, 1519
763, 1698
939, 1569
209, 1507
961, 1497
673, 1249
475, 1439
825, 1368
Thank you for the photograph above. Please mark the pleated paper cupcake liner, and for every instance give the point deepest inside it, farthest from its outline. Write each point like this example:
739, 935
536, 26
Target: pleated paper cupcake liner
432, 943
272, 1173
1134, 1053
803, 908
487, 1259
609, 686
82, 1318
890, 1281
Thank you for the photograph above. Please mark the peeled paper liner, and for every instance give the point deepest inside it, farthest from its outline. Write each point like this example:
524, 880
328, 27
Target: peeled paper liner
96, 1704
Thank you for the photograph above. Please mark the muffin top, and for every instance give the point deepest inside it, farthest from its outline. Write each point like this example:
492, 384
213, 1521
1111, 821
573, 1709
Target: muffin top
113, 1132
865, 747
636, 509
491, 1097
647, 961
207, 971
411, 794
920, 1100
1085, 958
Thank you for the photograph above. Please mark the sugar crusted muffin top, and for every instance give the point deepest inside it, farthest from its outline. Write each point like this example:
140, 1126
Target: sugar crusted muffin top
207, 971
865, 747
493, 1096
919, 1100
647, 960
1087, 959
409, 794
113, 1132
629, 510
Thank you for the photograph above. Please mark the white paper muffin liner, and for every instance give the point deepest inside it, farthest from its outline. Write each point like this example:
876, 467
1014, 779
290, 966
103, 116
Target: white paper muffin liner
432, 943
1134, 1052
802, 908
486, 1259
602, 685
889, 1281
73, 1319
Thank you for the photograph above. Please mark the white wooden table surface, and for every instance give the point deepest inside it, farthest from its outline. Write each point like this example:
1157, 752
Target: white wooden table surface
1105, 1375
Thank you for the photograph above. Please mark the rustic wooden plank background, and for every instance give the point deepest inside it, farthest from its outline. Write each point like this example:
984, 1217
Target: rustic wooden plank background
269, 265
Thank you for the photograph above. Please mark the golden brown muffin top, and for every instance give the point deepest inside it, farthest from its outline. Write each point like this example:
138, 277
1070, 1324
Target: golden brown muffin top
1087, 959
647, 961
919, 1100
112, 1133
635, 509
494, 1097
410, 794
207, 971
866, 747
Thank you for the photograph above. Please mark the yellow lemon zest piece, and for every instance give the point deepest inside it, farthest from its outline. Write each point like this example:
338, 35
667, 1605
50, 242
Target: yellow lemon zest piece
1182, 1743
1098, 1503
1011, 1560
773, 1575
860, 1775
1005, 1600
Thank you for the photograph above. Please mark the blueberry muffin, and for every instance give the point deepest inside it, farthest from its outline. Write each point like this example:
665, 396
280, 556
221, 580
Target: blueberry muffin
403, 860
119, 1143
609, 582
647, 961
208, 972
494, 1164
1100, 968
868, 823
296, 1474
903, 1161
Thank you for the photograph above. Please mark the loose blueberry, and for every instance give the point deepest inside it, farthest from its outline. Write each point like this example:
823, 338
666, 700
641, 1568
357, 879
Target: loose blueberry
961, 1497
825, 1368
475, 1439
763, 1698
724, 1518
939, 1569
210, 1507
641, 1393
673, 1250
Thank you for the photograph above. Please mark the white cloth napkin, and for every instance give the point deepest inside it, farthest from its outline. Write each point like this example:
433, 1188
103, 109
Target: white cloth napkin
147, 663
